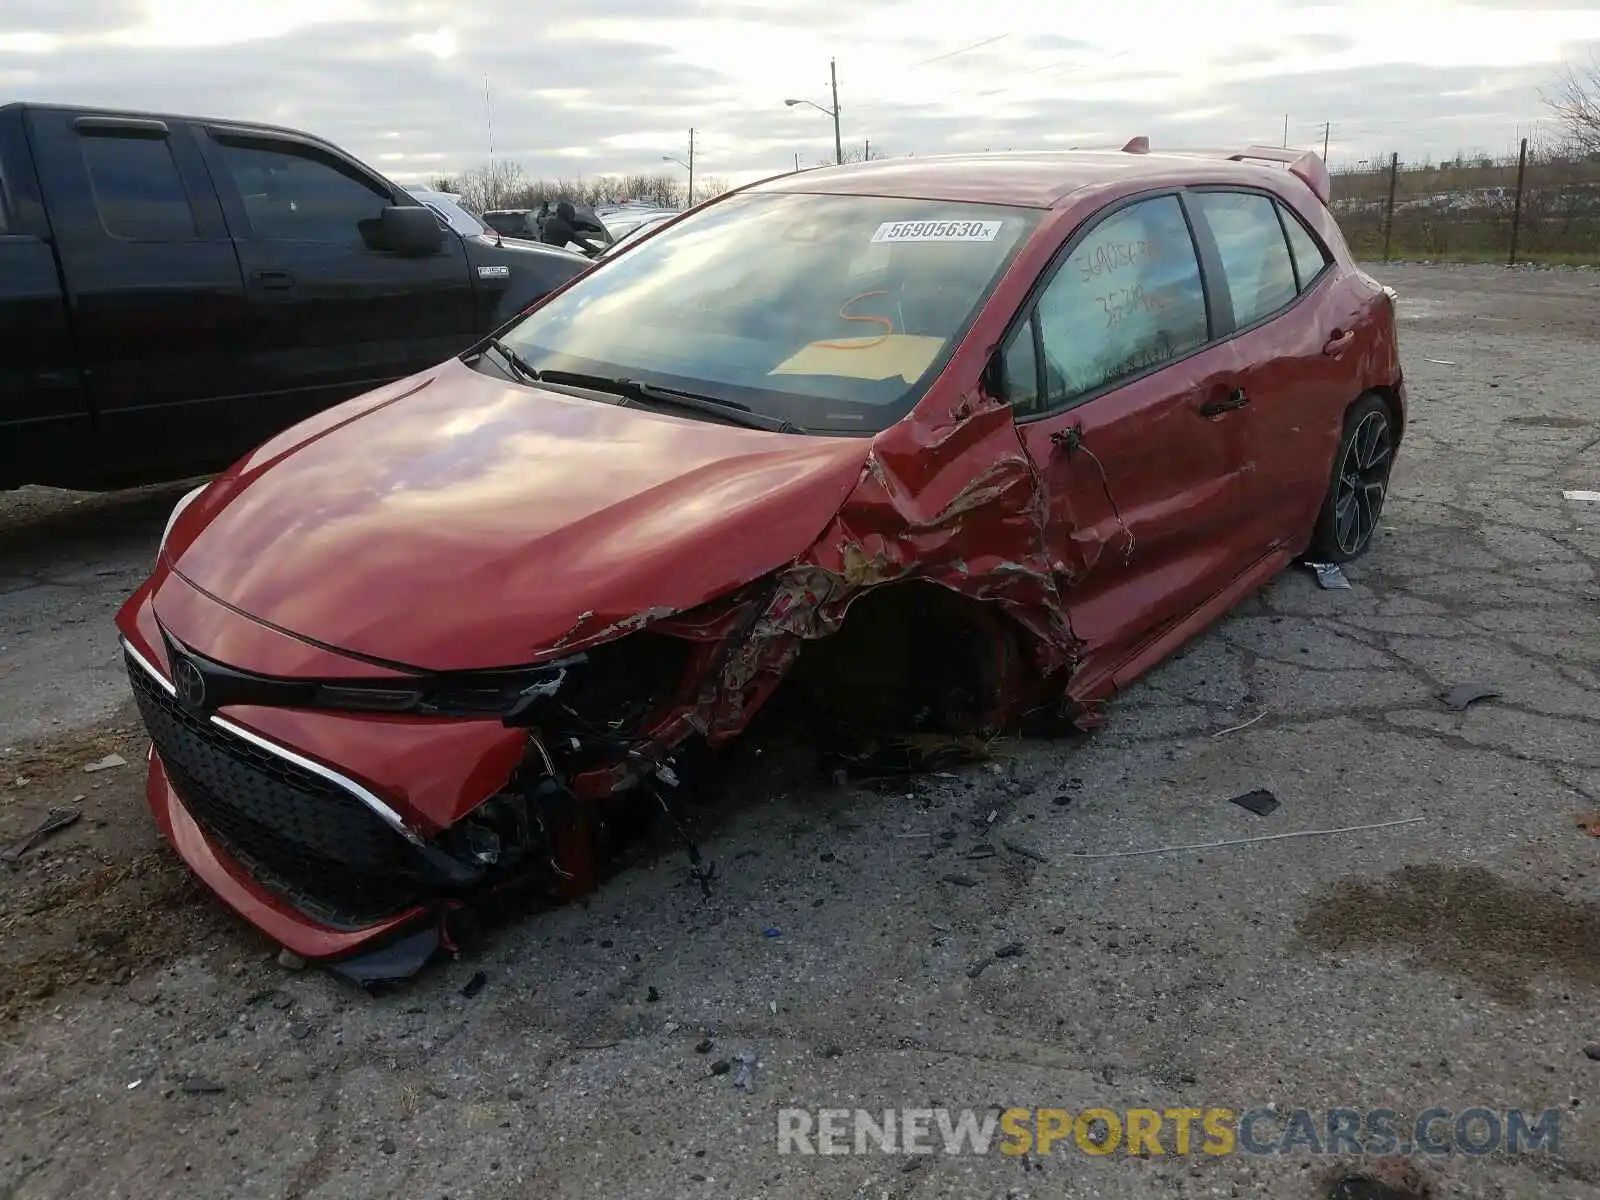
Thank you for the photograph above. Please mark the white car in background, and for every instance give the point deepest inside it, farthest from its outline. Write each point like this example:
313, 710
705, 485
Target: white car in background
446, 206
634, 230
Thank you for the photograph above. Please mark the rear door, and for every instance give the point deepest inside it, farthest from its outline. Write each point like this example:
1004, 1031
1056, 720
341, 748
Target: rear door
1120, 397
332, 313
153, 287
1291, 351
45, 432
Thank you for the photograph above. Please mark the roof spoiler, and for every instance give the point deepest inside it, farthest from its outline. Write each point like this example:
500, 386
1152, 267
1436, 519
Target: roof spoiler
1305, 165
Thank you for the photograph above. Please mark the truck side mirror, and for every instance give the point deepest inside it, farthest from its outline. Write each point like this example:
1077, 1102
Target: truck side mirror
411, 230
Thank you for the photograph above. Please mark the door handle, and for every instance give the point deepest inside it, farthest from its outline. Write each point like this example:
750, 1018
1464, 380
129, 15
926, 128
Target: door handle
275, 279
1215, 408
1339, 342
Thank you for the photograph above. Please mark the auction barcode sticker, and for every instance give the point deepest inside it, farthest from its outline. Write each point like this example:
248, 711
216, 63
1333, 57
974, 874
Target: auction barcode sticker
937, 231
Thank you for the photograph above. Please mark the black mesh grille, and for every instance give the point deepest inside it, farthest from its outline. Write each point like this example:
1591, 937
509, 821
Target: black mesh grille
297, 832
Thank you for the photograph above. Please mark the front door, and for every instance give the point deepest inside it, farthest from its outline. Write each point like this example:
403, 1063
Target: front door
1126, 407
332, 313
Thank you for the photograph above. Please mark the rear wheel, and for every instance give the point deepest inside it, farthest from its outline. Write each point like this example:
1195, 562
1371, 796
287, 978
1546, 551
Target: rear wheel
1360, 484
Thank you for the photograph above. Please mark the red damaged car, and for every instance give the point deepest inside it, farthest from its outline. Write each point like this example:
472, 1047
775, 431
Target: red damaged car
988, 432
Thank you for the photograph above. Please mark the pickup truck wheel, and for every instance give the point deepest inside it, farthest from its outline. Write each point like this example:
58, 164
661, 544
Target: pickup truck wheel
1360, 484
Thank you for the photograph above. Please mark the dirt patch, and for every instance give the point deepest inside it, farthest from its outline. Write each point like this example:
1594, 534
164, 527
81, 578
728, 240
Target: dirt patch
1387, 1179
105, 900
1466, 921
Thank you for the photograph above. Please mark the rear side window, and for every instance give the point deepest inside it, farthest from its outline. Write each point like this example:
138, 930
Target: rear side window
1255, 256
1309, 257
293, 196
138, 192
1128, 299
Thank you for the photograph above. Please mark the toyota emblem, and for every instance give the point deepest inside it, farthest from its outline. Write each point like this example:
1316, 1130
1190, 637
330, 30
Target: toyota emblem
190, 683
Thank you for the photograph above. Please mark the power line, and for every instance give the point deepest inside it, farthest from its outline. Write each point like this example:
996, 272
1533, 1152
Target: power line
999, 37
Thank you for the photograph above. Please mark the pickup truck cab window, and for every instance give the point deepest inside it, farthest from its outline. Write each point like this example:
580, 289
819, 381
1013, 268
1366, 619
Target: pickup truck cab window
138, 191
294, 195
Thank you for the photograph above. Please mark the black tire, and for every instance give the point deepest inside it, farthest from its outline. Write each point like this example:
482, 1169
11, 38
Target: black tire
1353, 507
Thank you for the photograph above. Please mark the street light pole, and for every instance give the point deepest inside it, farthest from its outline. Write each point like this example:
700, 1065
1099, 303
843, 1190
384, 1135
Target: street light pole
838, 142
691, 168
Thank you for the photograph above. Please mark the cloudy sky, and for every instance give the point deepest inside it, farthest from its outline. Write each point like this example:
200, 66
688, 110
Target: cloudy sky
597, 86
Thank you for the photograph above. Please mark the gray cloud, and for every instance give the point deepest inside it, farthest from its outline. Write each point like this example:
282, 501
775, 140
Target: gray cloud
361, 85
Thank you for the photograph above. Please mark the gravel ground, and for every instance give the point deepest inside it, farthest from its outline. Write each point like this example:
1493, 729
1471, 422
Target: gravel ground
150, 1045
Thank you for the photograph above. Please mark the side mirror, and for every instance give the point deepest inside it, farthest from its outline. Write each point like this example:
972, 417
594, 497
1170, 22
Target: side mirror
411, 230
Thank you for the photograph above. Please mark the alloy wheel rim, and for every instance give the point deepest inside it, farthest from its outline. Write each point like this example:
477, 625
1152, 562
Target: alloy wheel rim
1363, 483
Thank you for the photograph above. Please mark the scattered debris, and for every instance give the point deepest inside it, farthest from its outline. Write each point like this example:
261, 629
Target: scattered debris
772, 932
982, 850
961, 880
596, 1045
1586, 497
1330, 576
1590, 824
387, 1146
746, 1076
1442, 362
721, 1067
772, 1007
106, 763
1242, 725
652, 996
474, 985
1024, 851
1261, 802
703, 1046
199, 1085
289, 959
1462, 695
979, 967
1250, 841
1593, 1051
1062, 800
54, 821
134, 1084
1012, 950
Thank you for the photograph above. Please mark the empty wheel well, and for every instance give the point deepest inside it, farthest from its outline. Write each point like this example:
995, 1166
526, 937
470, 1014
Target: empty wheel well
913, 657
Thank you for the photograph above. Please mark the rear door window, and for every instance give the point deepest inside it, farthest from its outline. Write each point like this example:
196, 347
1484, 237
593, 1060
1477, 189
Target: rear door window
1310, 259
294, 195
1255, 257
138, 192
1127, 300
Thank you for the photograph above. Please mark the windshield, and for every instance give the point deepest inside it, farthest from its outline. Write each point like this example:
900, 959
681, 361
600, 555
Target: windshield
454, 216
832, 312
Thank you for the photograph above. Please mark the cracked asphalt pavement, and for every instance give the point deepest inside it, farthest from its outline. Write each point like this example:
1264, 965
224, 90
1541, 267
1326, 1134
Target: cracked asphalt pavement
151, 1046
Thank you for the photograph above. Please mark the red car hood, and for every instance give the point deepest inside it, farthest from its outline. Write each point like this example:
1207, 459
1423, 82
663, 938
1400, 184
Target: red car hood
456, 521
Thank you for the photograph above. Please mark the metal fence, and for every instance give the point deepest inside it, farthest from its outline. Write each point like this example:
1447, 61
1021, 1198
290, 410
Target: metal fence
1533, 207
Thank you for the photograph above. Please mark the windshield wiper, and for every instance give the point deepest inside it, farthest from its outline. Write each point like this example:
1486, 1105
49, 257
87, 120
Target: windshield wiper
632, 389
520, 367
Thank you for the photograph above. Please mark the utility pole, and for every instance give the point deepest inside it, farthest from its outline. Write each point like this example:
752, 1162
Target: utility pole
1327, 132
691, 169
866, 154
797, 162
838, 143
1285, 131
1516, 217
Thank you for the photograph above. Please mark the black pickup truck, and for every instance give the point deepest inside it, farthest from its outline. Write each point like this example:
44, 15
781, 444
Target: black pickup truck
175, 290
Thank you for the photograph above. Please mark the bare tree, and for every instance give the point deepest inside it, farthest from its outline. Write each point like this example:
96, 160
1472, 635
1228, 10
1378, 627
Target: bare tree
1576, 104
709, 187
493, 185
